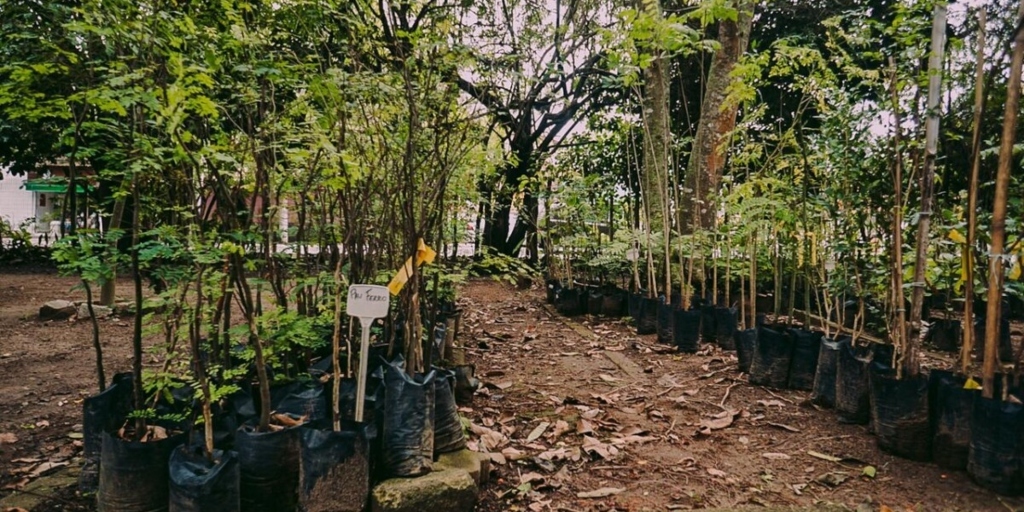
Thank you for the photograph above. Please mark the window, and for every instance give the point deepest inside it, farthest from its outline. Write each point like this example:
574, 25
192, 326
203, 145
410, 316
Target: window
42, 200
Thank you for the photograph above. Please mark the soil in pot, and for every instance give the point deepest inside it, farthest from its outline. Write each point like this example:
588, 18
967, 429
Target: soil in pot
725, 327
806, 346
951, 410
899, 412
647, 322
133, 474
772, 356
201, 485
746, 343
408, 422
334, 471
448, 434
269, 464
853, 400
824, 390
994, 459
666, 322
686, 330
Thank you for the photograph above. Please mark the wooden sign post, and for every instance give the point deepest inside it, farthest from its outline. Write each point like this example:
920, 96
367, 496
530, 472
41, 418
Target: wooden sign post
367, 302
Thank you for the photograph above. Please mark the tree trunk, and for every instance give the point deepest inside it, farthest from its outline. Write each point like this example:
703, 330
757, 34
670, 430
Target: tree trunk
657, 139
717, 119
995, 273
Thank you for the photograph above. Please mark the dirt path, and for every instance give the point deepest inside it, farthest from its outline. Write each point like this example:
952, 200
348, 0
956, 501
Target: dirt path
623, 414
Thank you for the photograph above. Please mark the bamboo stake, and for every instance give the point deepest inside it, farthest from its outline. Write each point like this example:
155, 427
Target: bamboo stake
972, 200
910, 365
995, 262
899, 336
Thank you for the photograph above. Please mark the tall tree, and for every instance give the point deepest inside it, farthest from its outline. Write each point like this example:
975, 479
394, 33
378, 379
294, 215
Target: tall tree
717, 120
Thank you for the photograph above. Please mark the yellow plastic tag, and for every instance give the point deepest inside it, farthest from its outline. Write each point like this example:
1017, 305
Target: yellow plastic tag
971, 384
955, 236
424, 254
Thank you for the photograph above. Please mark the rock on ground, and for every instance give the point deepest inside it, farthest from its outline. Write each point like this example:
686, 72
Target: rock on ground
57, 310
101, 311
448, 490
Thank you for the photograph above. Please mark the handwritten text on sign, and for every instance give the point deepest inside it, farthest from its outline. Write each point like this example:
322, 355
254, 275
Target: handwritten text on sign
368, 301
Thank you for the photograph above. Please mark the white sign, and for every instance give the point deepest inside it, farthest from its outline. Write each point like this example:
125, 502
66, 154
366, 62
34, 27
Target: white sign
368, 301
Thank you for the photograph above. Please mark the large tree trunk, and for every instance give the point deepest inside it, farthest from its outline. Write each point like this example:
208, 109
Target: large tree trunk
717, 119
657, 139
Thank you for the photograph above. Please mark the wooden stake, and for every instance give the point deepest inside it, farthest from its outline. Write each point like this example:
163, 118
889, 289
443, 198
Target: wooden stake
910, 366
995, 275
972, 200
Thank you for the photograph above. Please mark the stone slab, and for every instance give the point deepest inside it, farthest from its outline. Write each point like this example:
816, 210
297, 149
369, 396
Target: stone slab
448, 490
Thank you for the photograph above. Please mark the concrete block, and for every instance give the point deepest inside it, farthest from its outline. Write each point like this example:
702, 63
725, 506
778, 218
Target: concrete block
448, 489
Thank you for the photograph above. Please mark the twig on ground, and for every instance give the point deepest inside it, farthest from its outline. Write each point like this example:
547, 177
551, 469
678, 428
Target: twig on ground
727, 391
784, 399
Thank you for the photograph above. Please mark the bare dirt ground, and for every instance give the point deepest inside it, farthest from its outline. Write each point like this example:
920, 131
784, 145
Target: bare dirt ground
639, 408
580, 406
46, 369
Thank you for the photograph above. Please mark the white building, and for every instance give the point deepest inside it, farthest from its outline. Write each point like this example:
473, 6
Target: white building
20, 206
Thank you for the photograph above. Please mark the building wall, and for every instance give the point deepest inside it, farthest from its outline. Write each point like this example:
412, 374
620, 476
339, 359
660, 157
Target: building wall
16, 204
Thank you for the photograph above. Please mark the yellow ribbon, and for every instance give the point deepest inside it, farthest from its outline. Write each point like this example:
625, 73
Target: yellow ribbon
424, 254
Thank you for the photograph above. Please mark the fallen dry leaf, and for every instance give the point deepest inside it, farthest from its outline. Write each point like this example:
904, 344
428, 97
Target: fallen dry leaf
603, 492
607, 378
716, 472
537, 432
561, 427
783, 427
531, 477
776, 456
8, 438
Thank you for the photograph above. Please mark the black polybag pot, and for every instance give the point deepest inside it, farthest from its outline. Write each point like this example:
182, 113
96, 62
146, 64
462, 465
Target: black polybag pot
611, 304
269, 463
945, 334
301, 398
466, 384
772, 355
408, 429
746, 343
686, 330
804, 364
853, 400
951, 410
824, 389
568, 302
1005, 346
134, 475
552, 286
725, 327
883, 354
448, 434
633, 302
595, 302
899, 413
708, 331
335, 470
994, 460
647, 322
666, 323
103, 412
199, 485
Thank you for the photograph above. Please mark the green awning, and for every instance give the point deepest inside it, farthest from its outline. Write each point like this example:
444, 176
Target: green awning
50, 186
